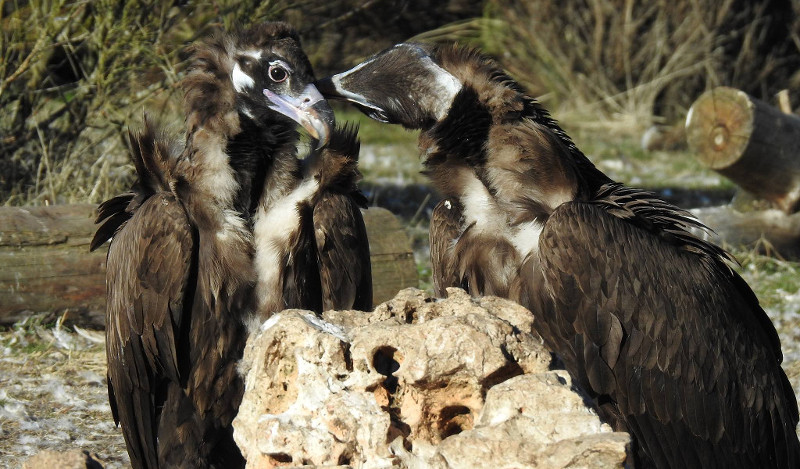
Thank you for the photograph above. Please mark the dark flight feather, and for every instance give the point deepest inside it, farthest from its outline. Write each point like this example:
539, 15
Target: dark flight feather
445, 226
340, 234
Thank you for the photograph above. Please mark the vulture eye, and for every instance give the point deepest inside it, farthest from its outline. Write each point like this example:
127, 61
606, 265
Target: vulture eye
277, 73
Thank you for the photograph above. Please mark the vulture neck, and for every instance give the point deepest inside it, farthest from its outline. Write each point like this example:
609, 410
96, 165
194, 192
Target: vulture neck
236, 165
264, 161
500, 154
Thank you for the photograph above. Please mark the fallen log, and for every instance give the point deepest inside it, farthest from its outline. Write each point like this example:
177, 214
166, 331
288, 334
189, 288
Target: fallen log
769, 231
757, 146
47, 266
750, 142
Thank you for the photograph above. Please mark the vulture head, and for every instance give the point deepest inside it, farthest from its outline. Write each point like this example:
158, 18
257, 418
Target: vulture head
401, 85
259, 76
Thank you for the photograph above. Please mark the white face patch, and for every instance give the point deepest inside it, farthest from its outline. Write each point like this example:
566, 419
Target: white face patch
445, 87
241, 80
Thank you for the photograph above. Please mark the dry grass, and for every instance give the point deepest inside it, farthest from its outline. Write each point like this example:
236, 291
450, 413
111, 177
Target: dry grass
636, 62
75, 74
71, 85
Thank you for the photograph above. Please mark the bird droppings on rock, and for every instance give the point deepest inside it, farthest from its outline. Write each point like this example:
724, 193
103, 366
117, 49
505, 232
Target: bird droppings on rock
417, 383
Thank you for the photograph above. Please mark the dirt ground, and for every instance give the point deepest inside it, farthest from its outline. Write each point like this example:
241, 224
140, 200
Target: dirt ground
53, 392
53, 396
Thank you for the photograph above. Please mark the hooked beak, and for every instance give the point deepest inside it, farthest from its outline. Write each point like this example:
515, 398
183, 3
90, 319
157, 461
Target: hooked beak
309, 109
331, 89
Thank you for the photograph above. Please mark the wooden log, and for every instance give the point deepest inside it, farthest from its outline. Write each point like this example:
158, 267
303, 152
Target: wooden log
393, 266
770, 231
47, 266
750, 142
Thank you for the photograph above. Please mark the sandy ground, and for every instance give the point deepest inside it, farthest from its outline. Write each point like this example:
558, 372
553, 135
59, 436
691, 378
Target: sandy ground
53, 396
53, 392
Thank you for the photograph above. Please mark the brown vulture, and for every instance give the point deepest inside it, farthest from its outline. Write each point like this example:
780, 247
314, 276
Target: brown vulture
650, 319
181, 277
319, 257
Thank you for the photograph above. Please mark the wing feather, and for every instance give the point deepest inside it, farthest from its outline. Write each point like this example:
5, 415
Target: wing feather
339, 230
343, 253
445, 227
148, 265
673, 320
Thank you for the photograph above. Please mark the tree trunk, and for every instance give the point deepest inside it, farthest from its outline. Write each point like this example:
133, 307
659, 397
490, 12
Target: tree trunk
750, 142
46, 265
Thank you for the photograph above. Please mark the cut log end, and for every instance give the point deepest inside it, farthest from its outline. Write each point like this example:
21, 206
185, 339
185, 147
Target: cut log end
748, 141
719, 125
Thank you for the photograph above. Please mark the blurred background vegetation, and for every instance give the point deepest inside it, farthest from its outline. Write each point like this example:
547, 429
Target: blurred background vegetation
75, 74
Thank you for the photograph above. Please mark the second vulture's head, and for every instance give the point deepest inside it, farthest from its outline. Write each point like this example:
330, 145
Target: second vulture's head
404, 84
259, 75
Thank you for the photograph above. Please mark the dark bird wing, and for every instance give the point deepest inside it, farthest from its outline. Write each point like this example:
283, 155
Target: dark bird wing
668, 340
148, 267
169, 388
339, 230
446, 225
343, 250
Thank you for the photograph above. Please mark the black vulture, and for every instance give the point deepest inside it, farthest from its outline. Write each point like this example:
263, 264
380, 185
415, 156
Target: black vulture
650, 319
319, 258
181, 278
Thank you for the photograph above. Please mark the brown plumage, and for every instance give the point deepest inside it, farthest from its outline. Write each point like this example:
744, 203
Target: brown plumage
319, 260
180, 272
339, 231
651, 320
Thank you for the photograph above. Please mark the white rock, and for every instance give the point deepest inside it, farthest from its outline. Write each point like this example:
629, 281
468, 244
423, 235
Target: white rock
418, 383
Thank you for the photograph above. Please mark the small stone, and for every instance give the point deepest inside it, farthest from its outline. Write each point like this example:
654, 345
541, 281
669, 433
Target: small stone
73, 459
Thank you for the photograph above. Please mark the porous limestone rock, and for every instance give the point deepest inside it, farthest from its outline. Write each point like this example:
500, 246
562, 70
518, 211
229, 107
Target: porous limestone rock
419, 383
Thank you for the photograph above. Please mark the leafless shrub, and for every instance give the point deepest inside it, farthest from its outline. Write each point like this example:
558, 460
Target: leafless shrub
636, 59
75, 74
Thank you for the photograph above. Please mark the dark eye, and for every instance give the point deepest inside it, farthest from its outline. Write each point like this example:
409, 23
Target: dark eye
277, 73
